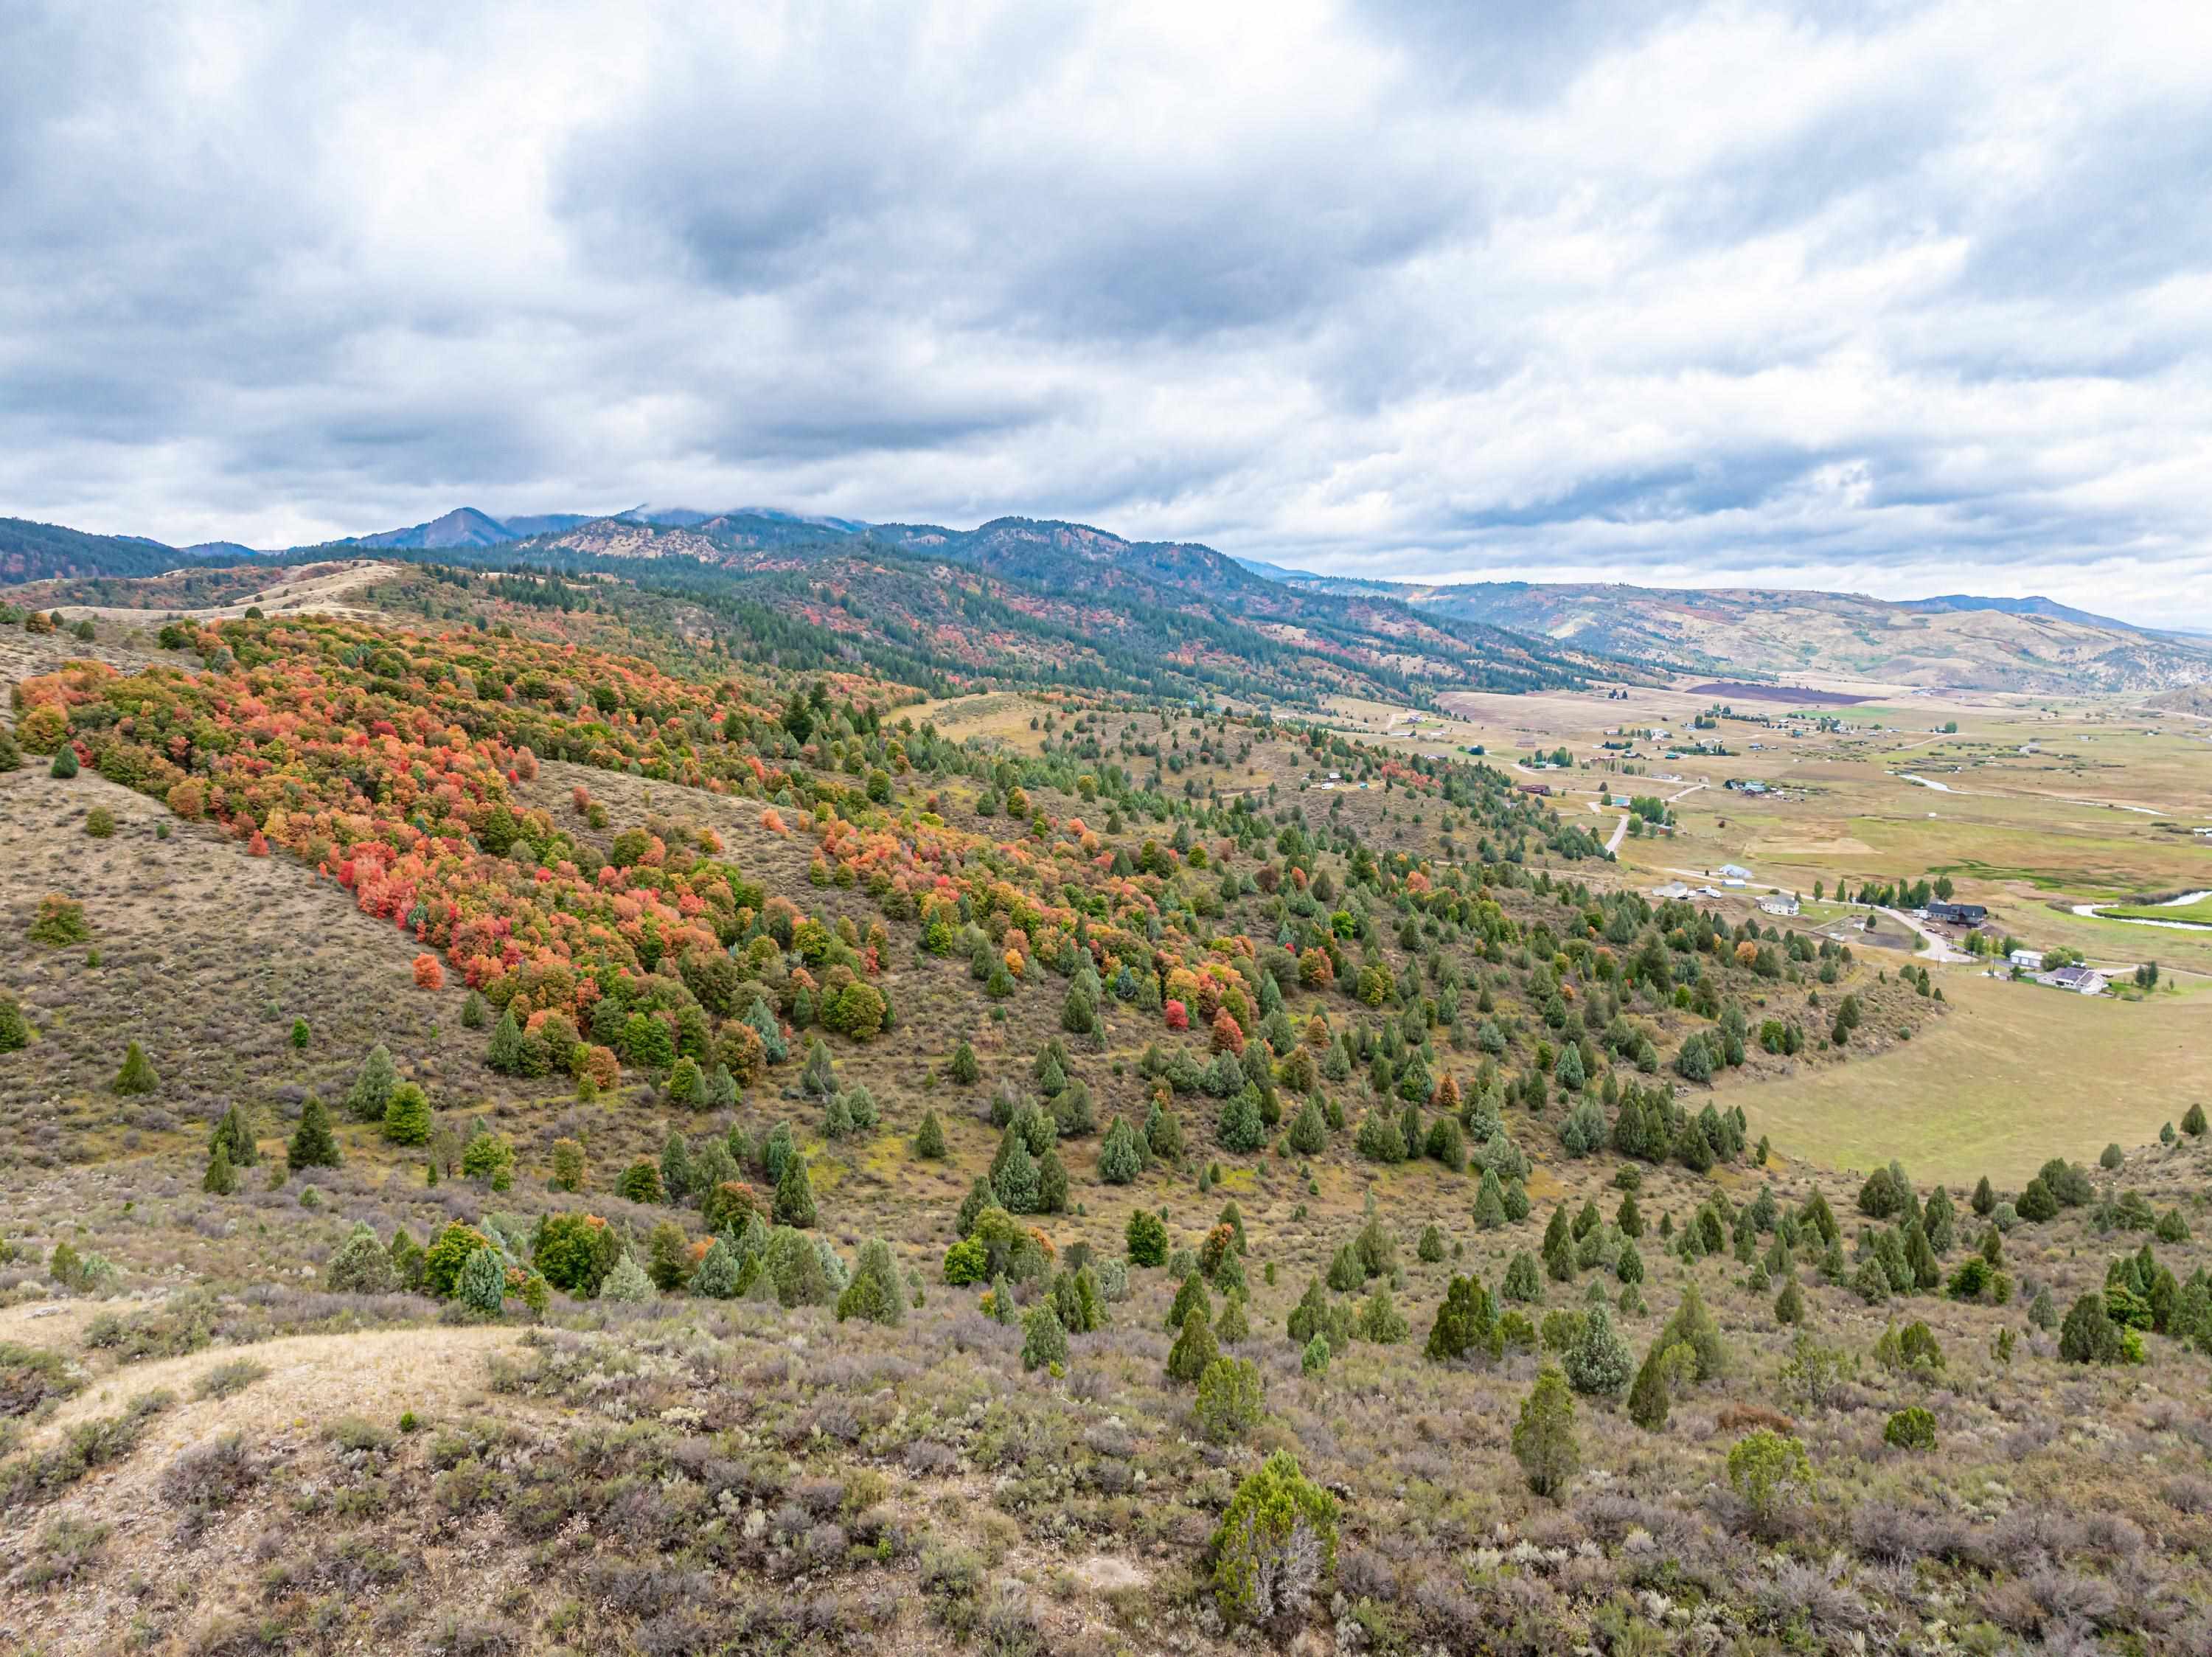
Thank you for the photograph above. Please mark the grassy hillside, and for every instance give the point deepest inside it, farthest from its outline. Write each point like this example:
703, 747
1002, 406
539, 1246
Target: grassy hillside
812, 1115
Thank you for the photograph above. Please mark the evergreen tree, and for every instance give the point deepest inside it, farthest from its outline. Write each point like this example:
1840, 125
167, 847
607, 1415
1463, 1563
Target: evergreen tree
794, 1196
1014, 1173
1044, 1342
1522, 1281
1194, 1349
1648, 1401
373, 1085
483, 1284
1052, 1183
1789, 1305
1600, 1363
1119, 1159
1190, 1293
1380, 1320
407, 1116
1163, 1133
1490, 1203
313, 1144
1234, 1325
1147, 1239
1559, 1247
505, 1054
929, 1138
687, 1086
875, 1293
1241, 1130
676, 1174
15, 1029
136, 1075
220, 1180
232, 1134
719, 1274
965, 1069
1466, 1325
1692, 1325
1544, 1437
1309, 1133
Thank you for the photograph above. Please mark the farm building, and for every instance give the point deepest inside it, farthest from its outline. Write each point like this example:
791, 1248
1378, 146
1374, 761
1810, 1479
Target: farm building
2030, 960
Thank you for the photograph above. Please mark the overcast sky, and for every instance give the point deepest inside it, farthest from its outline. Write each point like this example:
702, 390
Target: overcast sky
1899, 298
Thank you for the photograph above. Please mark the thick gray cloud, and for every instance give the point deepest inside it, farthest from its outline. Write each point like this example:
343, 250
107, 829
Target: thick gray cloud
1896, 297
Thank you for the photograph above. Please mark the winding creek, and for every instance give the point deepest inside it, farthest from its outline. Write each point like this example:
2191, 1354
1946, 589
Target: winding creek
2095, 911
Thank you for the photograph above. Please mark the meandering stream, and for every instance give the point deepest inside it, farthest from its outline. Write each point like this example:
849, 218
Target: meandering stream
2095, 911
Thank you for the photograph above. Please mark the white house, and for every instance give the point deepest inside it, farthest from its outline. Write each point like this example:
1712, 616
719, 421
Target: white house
1779, 903
2083, 980
1672, 889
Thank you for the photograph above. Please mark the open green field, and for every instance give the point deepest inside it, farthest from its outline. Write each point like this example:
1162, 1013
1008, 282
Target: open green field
2200, 912
2017, 1074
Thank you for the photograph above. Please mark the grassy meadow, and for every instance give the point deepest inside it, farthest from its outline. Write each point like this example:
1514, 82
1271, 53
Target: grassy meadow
2020, 1074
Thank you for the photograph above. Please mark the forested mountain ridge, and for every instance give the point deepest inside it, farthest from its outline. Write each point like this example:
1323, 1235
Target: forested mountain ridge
1016, 600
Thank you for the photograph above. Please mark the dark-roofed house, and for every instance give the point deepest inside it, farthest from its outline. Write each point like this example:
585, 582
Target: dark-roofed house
1959, 914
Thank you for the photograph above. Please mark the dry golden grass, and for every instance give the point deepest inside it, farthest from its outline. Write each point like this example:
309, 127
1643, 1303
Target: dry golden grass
2018, 1074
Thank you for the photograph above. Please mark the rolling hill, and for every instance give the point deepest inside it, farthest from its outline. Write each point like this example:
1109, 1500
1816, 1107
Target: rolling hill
2033, 645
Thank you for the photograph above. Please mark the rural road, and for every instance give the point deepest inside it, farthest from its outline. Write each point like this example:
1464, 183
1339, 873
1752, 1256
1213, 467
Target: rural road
1935, 945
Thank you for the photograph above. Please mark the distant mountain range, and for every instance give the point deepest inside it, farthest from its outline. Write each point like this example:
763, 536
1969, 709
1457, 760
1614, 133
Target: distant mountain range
2033, 645
1374, 636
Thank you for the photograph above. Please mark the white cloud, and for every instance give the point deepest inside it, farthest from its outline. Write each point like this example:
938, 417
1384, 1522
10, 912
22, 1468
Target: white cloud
1897, 297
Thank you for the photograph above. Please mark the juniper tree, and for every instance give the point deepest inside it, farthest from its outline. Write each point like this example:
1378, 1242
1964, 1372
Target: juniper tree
1600, 1363
136, 1075
1523, 1283
1044, 1342
1692, 1325
1648, 1403
929, 1138
1544, 1435
794, 1196
313, 1144
1194, 1347
233, 1134
1490, 1203
1189, 1294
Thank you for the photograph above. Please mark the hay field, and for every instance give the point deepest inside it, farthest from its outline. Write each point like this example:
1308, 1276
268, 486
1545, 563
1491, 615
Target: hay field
2021, 1074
